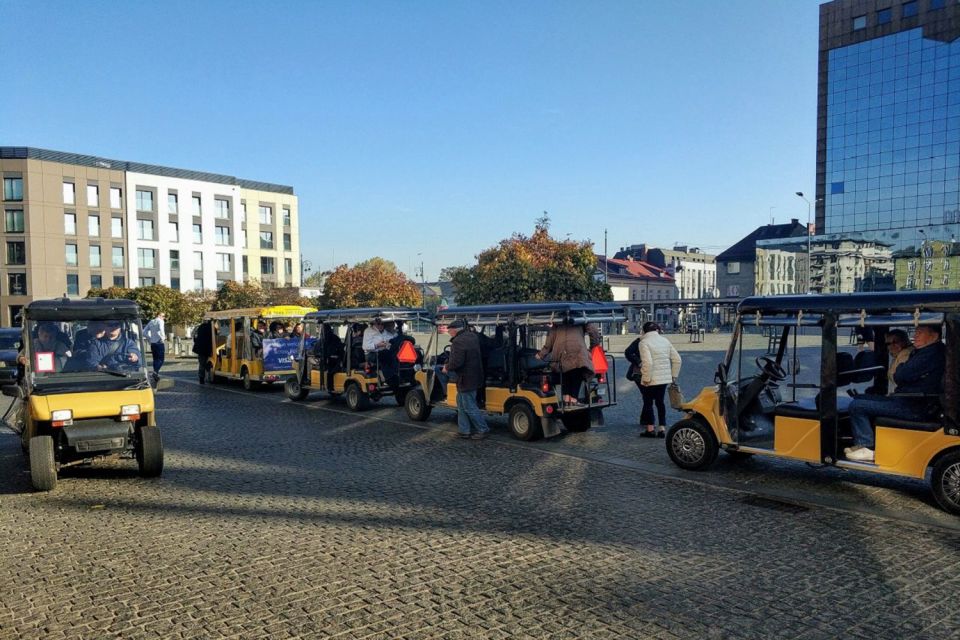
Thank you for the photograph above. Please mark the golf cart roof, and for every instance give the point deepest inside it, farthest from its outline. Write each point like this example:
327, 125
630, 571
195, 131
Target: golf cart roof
534, 313
368, 314
852, 309
67, 310
276, 311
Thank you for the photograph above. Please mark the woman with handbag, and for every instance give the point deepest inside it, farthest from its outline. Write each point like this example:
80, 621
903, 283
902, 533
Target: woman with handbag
660, 366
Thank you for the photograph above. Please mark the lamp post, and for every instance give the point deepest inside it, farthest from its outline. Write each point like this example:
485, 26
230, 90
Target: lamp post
809, 265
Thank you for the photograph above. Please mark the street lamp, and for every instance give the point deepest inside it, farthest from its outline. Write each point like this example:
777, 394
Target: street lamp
809, 265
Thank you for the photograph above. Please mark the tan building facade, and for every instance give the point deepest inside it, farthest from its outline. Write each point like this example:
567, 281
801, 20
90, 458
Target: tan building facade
269, 223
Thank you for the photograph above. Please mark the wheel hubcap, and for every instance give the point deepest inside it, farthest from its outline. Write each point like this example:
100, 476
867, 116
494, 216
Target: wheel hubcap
414, 404
688, 445
951, 483
520, 423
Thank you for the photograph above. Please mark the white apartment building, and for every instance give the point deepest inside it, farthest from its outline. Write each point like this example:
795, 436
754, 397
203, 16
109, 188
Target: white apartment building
695, 273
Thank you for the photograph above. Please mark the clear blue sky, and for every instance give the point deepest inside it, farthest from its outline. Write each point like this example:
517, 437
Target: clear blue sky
441, 127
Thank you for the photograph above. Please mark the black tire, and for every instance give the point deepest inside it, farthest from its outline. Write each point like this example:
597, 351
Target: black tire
691, 445
524, 423
576, 421
945, 482
356, 399
149, 452
294, 390
43, 464
416, 405
249, 383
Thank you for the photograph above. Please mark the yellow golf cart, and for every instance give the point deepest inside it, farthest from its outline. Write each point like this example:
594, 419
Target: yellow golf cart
250, 346
84, 393
332, 358
516, 383
795, 403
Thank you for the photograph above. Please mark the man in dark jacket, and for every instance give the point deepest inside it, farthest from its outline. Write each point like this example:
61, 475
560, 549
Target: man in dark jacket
467, 363
921, 375
203, 347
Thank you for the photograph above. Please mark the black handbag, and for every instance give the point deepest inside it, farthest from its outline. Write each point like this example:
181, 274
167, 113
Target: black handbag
633, 373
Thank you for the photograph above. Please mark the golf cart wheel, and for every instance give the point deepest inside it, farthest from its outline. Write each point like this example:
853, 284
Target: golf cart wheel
249, 383
691, 445
576, 421
416, 405
149, 452
524, 423
357, 400
294, 389
945, 482
43, 465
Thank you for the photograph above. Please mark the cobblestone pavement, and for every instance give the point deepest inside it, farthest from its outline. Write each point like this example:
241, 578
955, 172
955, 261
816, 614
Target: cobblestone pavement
275, 519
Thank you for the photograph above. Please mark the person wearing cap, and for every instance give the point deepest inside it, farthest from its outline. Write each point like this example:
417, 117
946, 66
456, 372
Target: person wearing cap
466, 362
114, 351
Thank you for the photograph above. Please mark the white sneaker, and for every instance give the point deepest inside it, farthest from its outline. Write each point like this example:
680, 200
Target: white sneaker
849, 450
861, 455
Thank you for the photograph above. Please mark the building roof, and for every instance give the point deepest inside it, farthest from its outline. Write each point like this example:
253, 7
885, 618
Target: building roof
633, 269
746, 249
33, 153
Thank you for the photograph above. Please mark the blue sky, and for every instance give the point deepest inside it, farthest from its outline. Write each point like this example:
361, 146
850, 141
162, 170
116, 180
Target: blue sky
439, 128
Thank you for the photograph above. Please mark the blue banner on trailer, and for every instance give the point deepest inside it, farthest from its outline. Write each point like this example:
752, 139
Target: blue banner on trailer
279, 353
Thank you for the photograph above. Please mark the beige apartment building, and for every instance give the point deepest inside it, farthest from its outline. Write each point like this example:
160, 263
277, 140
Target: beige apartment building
68, 227
271, 253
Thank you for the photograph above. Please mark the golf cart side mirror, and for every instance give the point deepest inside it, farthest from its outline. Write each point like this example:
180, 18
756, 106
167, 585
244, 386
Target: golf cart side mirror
164, 383
720, 377
12, 390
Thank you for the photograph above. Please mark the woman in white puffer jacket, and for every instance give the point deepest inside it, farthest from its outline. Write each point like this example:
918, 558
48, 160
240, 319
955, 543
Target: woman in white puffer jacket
660, 365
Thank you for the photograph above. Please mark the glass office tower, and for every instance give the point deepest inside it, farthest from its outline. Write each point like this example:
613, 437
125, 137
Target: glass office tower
888, 153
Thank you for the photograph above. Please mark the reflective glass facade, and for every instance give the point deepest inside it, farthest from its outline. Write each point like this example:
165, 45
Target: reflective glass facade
893, 138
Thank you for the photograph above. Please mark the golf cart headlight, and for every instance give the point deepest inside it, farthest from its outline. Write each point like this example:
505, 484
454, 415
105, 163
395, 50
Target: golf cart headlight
62, 415
130, 410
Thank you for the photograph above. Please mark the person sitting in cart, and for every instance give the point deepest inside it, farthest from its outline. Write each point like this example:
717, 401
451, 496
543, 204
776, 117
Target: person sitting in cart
112, 352
376, 346
918, 380
50, 340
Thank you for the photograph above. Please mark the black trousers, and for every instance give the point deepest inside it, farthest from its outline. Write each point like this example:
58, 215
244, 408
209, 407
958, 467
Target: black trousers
653, 395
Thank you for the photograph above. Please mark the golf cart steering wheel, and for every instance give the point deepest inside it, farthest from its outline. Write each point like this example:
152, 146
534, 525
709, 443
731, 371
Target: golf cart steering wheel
770, 368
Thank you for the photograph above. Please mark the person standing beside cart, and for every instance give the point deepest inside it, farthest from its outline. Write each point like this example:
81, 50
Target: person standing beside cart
659, 366
155, 334
466, 362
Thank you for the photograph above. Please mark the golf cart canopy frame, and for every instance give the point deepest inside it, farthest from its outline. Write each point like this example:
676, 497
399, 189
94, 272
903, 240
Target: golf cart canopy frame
369, 314
533, 313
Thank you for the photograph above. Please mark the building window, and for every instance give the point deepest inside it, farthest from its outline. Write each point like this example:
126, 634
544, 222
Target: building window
286, 242
146, 259
116, 258
909, 9
266, 266
197, 261
197, 234
116, 198
70, 224
16, 253
144, 200
266, 240
266, 215
94, 255
174, 229
13, 188
243, 239
116, 227
73, 284
175, 284
69, 193
119, 281
96, 281
93, 226
246, 267
147, 281
288, 266
198, 284
884, 16
224, 263
14, 221
175, 260
93, 195
71, 255
145, 229
286, 216
17, 283
196, 206
171, 203
937, 4
221, 208
222, 236
243, 211
836, 187
733, 268
16, 320
860, 22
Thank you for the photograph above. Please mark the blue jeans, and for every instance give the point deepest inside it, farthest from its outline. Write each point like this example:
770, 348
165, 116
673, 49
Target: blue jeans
159, 351
469, 414
862, 408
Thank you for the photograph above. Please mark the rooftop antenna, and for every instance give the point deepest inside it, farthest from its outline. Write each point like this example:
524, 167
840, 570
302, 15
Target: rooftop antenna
771, 214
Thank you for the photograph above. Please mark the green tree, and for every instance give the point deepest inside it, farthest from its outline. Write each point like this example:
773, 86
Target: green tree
239, 295
537, 268
157, 299
372, 283
191, 307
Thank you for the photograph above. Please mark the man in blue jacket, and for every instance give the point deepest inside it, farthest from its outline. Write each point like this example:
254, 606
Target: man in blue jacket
114, 351
922, 374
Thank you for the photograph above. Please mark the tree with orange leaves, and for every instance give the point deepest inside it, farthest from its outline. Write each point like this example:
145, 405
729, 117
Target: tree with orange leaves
373, 283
